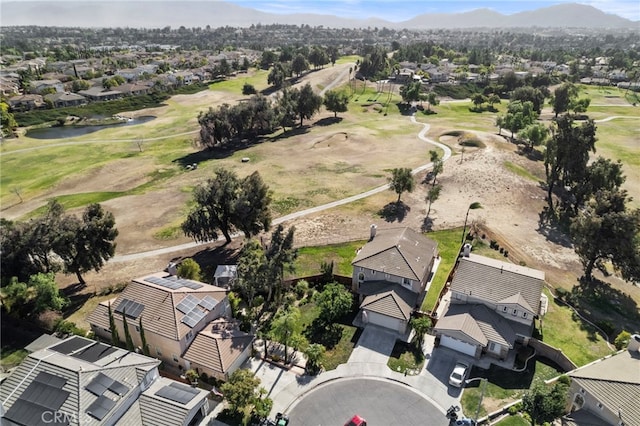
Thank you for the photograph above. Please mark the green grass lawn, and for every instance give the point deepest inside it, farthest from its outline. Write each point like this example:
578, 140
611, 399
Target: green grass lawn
448, 245
11, 357
513, 421
310, 258
503, 386
405, 357
578, 340
340, 353
521, 171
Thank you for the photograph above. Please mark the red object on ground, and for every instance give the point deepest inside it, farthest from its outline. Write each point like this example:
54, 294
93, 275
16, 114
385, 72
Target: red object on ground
356, 421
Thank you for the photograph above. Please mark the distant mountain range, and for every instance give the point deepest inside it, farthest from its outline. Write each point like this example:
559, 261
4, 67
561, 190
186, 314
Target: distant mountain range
158, 14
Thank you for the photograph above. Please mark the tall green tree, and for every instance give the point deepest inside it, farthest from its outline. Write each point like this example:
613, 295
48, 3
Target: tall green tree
601, 174
287, 107
14, 297
529, 94
437, 166
315, 355
534, 134
421, 326
252, 271
281, 255
47, 293
410, 92
308, 103
299, 64
562, 96
242, 391
432, 100
607, 230
115, 338
226, 203
336, 101
89, 243
401, 180
519, 115
545, 403
334, 301
127, 334
252, 212
432, 195
143, 338
285, 325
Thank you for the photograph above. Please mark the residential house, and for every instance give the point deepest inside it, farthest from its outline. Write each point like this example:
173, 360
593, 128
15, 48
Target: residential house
9, 86
131, 89
437, 76
65, 99
39, 86
391, 273
493, 306
607, 391
173, 312
79, 381
99, 93
183, 78
25, 102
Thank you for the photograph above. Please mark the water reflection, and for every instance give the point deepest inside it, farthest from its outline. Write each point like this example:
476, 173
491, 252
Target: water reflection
66, 132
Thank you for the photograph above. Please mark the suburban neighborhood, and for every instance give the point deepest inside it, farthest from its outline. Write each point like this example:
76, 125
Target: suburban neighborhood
335, 220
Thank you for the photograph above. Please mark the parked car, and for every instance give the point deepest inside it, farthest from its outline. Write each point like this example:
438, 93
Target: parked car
282, 419
459, 374
465, 422
356, 421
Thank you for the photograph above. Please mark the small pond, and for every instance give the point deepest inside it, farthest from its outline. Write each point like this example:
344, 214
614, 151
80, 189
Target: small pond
66, 132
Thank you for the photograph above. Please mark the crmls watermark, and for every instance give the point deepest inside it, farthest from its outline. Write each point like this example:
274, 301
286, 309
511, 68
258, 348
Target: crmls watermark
60, 417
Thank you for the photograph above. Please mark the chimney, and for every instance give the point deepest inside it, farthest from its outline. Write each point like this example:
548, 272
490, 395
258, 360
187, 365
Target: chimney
372, 233
634, 343
466, 250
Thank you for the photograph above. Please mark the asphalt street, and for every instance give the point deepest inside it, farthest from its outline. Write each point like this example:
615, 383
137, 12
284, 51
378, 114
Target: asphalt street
381, 402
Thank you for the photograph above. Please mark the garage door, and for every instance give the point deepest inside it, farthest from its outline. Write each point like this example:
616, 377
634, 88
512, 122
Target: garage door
385, 321
458, 345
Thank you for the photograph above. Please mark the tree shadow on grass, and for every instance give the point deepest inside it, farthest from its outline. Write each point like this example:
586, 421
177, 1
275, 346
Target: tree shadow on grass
327, 121
427, 224
394, 212
551, 229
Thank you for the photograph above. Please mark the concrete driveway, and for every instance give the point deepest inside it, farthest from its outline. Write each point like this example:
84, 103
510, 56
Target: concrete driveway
374, 346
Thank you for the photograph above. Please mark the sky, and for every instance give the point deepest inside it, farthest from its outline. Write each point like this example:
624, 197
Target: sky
400, 10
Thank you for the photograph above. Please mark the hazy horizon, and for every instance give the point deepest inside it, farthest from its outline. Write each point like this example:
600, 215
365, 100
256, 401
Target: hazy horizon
396, 11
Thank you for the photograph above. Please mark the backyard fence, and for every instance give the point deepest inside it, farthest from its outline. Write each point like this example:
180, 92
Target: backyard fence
554, 354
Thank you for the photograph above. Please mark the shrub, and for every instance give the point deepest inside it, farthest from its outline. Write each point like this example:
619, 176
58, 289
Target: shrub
564, 379
562, 293
622, 340
276, 358
506, 253
68, 327
301, 288
258, 300
515, 409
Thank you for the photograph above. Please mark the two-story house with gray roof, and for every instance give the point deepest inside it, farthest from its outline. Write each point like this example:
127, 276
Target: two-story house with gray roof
176, 314
493, 305
391, 273
607, 391
79, 381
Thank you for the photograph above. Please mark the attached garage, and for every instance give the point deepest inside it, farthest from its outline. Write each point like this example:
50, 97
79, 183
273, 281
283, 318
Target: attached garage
458, 345
384, 321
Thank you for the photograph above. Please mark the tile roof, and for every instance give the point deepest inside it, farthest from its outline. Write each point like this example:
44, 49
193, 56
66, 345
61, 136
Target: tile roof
389, 299
494, 281
218, 345
121, 366
160, 315
398, 251
158, 411
481, 324
615, 382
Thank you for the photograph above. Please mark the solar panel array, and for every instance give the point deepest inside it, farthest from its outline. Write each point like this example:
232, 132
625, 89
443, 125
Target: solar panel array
187, 304
43, 395
101, 383
71, 345
95, 352
208, 303
193, 317
101, 407
130, 308
172, 282
178, 393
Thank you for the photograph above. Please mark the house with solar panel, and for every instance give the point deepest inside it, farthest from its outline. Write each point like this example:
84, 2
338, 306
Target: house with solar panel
391, 275
79, 381
187, 324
